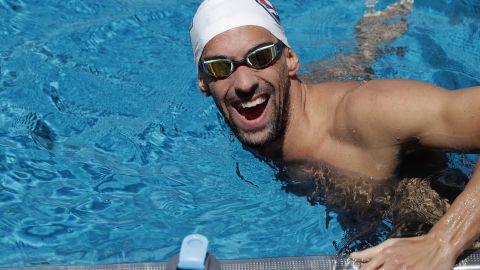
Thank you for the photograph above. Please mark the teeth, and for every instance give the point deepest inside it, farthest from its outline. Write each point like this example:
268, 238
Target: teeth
253, 103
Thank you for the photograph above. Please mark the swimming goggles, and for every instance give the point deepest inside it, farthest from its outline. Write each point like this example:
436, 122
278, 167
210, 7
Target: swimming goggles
262, 57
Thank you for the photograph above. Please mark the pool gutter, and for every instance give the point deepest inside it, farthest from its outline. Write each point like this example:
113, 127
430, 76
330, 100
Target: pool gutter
470, 262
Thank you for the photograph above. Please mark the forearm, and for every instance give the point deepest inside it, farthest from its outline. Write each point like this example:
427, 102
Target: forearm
460, 226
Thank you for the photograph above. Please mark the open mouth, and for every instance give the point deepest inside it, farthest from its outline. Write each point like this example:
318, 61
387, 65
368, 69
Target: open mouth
252, 109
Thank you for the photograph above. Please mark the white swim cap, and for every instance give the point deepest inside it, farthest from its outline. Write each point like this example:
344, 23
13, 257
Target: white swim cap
214, 17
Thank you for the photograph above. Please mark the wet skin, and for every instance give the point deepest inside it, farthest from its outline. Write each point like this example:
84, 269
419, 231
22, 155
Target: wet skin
362, 130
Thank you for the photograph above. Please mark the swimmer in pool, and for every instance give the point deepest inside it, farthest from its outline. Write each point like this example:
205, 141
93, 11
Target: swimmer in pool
360, 130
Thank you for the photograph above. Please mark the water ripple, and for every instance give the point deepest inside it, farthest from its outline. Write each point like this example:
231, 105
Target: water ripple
119, 184
172, 202
109, 153
13, 5
45, 231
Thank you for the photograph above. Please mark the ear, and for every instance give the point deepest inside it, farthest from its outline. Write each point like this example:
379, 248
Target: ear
203, 85
292, 62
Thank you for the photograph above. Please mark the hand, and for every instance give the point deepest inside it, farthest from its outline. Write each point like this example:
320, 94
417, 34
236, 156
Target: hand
422, 252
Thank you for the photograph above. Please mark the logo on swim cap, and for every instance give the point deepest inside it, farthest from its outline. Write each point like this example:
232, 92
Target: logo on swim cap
270, 9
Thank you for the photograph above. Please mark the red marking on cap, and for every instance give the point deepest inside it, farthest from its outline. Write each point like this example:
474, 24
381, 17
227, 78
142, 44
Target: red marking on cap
270, 8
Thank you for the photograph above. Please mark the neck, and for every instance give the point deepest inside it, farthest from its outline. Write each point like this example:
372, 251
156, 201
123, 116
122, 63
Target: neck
279, 149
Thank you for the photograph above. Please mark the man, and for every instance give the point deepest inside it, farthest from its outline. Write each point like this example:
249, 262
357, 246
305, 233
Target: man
360, 130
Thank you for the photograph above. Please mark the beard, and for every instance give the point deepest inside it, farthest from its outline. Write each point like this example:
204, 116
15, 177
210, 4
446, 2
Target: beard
277, 125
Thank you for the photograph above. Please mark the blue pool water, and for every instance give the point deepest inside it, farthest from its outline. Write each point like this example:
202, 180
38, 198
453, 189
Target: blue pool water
109, 153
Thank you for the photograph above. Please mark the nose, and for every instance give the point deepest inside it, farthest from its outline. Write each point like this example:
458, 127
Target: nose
245, 81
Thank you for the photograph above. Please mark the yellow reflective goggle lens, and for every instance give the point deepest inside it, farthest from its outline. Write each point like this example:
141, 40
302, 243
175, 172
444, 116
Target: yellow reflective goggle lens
219, 68
262, 57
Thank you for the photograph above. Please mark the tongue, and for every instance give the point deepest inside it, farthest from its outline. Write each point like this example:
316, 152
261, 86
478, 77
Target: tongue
254, 112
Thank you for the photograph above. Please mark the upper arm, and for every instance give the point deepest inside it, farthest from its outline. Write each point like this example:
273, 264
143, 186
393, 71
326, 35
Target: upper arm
397, 111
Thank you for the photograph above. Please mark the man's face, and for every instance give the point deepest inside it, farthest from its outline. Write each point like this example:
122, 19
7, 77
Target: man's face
254, 102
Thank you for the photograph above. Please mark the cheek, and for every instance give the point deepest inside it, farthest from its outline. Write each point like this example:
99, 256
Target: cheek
280, 76
279, 70
218, 91
283, 69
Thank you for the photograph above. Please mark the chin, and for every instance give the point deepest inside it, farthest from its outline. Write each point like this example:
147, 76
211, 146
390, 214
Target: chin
256, 139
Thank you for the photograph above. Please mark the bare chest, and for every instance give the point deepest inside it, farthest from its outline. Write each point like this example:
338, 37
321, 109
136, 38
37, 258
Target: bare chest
377, 163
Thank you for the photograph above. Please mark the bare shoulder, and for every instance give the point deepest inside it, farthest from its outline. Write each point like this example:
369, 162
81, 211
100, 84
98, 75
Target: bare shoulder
356, 91
398, 87
389, 112
389, 108
381, 95
332, 92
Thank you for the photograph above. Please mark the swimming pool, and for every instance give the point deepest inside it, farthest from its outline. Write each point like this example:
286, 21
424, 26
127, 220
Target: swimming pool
110, 154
